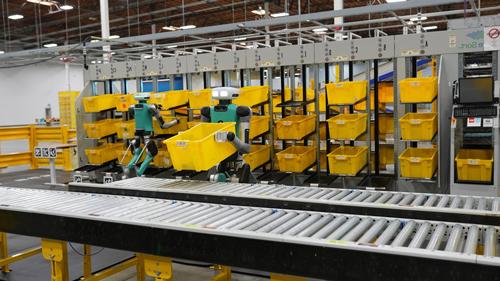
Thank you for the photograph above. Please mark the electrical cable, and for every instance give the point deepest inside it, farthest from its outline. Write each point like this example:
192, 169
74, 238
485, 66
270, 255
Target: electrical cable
83, 255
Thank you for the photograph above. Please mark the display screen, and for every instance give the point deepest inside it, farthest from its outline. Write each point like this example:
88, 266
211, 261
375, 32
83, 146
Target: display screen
476, 90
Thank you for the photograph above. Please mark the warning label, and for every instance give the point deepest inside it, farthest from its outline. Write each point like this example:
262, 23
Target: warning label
492, 38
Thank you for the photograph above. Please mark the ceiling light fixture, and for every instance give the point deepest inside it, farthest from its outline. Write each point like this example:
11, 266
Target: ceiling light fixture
171, 47
418, 18
170, 28
94, 41
278, 15
320, 29
16, 17
50, 45
114, 37
259, 12
147, 56
2, 52
432, 27
66, 7
240, 39
189, 26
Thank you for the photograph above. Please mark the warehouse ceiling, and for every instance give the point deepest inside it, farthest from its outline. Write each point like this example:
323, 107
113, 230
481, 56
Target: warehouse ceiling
47, 23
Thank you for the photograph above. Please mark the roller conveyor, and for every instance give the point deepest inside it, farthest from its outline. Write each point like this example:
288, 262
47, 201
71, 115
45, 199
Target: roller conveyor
314, 244
427, 206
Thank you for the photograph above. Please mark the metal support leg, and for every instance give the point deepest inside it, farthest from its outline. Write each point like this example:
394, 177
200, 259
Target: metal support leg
4, 251
57, 253
224, 273
87, 261
140, 268
282, 277
160, 268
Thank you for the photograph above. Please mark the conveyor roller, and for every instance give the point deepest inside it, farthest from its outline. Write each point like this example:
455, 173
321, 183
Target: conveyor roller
453, 208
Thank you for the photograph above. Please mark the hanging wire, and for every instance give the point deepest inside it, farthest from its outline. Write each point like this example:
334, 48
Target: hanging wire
4, 27
8, 25
138, 10
66, 23
80, 22
128, 18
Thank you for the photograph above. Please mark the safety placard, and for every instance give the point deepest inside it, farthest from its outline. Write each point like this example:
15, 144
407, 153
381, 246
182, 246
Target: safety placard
492, 38
473, 122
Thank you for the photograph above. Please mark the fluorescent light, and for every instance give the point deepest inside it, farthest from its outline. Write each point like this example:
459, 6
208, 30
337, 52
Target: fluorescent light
2, 52
148, 56
66, 7
432, 27
93, 62
94, 41
42, 2
171, 46
320, 32
278, 15
240, 39
259, 12
190, 26
417, 18
16, 17
321, 29
50, 45
394, 1
243, 44
114, 37
169, 28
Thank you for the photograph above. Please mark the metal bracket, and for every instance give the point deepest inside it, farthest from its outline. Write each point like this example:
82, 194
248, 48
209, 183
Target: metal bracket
57, 253
157, 267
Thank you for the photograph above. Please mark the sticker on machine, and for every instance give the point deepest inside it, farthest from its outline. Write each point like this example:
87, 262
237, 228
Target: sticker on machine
492, 38
474, 122
488, 122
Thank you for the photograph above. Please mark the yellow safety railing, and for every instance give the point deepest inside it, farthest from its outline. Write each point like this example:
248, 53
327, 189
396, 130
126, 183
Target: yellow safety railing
36, 135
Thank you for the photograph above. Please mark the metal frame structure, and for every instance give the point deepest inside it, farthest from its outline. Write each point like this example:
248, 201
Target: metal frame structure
302, 242
399, 48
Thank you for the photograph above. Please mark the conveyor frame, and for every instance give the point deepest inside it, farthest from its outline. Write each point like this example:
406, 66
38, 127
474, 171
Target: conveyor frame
114, 222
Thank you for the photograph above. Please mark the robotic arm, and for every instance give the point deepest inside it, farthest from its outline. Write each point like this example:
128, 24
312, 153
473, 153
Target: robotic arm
159, 118
242, 145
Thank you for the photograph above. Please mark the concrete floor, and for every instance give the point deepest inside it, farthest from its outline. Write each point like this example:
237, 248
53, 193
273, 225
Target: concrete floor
38, 269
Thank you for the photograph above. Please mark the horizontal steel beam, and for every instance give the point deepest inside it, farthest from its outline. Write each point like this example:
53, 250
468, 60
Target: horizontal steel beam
249, 24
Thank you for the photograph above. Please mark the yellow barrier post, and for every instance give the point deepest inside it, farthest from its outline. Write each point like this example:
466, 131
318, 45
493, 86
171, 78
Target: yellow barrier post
4, 250
57, 253
223, 273
282, 277
32, 143
160, 268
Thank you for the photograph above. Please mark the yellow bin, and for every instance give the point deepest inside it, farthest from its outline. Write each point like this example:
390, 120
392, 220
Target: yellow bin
198, 149
126, 129
418, 126
258, 156
124, 102
347, 126
252, 95
170, 99
474, 164
418, 162
296, 159
99, 103
295, 127
101, 128
103, 153
348, 160
200, 98
258, 125
345, 93
418, 90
